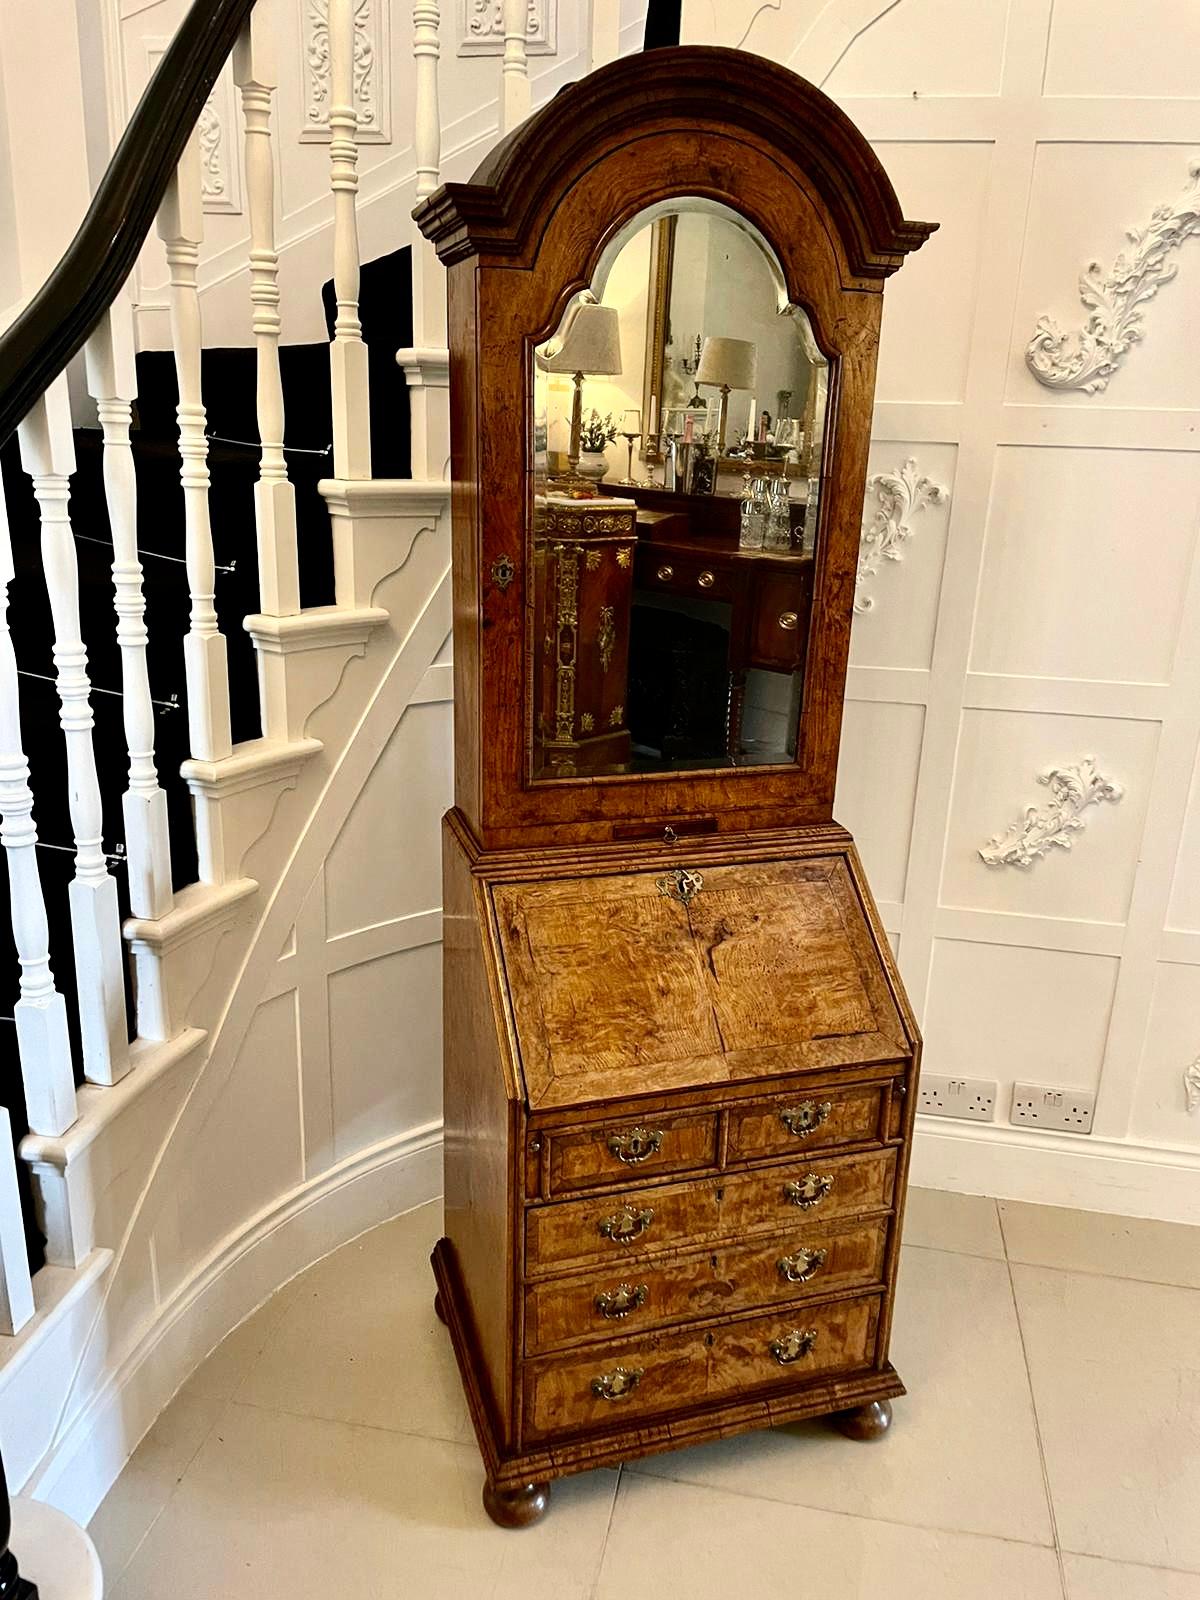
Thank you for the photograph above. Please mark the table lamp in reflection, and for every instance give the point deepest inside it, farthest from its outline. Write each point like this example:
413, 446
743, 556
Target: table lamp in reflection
727, 364
589, 346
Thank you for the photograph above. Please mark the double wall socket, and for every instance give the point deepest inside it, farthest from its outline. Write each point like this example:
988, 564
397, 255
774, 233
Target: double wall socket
973, 1098
1037, 1105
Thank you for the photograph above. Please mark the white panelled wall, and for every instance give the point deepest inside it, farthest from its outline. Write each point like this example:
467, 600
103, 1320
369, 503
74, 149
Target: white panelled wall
1047, 610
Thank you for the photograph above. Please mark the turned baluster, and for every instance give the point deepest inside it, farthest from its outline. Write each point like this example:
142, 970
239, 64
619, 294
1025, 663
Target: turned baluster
112, 383
425, 363
48, 454
43, 1042
427, 117
514, 72
206, 669
348, 356
274, 497
604, 32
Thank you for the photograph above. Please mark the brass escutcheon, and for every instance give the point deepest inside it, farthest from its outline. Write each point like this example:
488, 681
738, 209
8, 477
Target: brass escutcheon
802, 1265
619, 1302
625, 1225
503, 572
637, 1144
683, 885
808, 1191
799, 1342
805, 1118
618, 1383
788, 621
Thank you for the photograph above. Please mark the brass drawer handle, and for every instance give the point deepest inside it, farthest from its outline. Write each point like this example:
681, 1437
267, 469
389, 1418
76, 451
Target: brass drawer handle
683, 885
801, 1266
808, 1191
706, 579
618, 1384
626, 1225
799, 1342
665, 574
619, 1302
789, 621
638, 1144
805, 1118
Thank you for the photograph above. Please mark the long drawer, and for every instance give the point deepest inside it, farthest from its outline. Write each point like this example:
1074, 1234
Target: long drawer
625, 1227
809, 1259
653, 1373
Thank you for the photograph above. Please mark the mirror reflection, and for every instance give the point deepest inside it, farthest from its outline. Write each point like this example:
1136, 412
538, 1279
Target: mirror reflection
678, 418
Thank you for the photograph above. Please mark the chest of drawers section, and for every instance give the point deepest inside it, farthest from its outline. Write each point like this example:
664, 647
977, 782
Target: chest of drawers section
693, 1255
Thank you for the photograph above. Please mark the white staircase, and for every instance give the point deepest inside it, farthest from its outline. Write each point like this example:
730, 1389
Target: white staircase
147, 1263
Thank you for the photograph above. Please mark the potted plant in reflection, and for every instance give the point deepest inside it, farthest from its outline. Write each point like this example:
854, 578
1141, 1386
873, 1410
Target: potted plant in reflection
595, 433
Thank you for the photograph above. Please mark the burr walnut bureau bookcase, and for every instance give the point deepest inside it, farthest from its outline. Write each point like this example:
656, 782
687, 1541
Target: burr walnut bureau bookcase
679, 1063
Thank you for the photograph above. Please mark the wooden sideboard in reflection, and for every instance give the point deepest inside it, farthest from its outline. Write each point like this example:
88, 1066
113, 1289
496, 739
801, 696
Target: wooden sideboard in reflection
688, 549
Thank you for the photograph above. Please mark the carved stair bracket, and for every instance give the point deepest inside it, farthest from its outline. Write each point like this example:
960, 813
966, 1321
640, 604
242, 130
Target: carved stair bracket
1191, 1085
1073, 789
899, 496
1087, 359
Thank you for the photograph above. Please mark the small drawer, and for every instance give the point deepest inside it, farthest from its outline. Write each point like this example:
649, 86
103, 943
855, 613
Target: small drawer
612, 1153
666, 569
809, 1259
773, 1353
810, 1119
632, 1225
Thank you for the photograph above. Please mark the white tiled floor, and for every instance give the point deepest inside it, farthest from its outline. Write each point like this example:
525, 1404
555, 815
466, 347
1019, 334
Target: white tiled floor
1048, 1449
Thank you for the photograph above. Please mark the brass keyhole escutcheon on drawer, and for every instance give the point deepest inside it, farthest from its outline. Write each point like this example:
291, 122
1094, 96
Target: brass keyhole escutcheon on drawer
805, 1118
617, 1384
706, 579
637, 1144
809, 1190
665, 574
619, 1302
789, 621
626, 1225
802, 1265
799, 1342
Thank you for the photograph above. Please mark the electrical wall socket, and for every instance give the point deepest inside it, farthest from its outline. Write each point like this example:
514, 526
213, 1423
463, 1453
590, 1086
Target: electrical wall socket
974, 1098
1036, 1105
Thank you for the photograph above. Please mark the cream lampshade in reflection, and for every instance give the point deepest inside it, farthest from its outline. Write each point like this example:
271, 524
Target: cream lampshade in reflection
590, 345
727, 364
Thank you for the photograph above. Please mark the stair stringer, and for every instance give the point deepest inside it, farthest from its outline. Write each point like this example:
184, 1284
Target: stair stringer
139, 1350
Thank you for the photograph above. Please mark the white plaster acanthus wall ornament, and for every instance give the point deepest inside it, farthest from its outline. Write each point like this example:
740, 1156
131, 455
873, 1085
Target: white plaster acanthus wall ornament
899, 496
481, 28
1073, 790
372, 60
1087, 359
1191, 1085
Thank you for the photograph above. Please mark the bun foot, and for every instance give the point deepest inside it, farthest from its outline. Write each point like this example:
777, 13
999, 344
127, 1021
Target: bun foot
516, 1508
864, 1422
439, 1309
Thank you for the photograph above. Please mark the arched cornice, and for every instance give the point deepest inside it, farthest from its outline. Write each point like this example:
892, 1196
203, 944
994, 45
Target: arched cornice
675, 91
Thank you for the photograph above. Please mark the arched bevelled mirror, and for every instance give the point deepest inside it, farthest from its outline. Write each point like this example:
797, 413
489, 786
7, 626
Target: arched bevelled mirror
678, 416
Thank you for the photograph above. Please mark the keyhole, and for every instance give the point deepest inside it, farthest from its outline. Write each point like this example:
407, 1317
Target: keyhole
713, 1262
708, 1339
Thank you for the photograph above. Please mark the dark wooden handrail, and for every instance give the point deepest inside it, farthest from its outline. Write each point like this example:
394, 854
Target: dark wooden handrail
99, 259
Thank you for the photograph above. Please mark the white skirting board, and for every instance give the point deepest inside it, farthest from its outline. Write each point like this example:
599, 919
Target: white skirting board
304, 1225
1059, 1169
